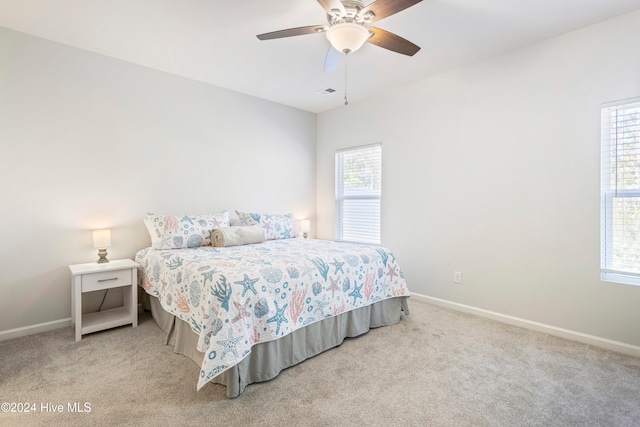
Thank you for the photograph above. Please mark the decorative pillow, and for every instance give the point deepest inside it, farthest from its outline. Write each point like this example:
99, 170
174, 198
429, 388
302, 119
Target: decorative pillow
183, 231
275, 226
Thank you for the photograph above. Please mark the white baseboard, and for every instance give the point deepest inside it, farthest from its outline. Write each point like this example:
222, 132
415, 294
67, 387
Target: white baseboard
617, 346
40, 327
34, 329
515, 321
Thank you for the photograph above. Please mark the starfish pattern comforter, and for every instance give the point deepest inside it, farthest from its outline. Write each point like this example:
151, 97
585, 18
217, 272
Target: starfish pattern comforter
235, 297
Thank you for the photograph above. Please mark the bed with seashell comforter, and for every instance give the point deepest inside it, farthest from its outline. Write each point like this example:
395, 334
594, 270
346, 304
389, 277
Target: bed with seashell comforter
245, 313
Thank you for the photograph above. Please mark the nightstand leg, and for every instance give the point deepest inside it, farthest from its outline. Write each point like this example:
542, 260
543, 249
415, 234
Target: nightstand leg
77, 306
134, 297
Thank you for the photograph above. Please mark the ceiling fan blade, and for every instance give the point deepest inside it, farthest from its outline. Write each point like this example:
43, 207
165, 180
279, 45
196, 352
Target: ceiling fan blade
332, 60
383, 8
329, 5
392, 42
290, 32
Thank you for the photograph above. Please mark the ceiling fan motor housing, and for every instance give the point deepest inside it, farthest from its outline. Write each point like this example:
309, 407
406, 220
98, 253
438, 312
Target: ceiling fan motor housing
351, 13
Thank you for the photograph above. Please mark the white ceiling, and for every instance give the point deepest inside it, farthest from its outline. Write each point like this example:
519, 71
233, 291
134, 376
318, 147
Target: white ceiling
214, 41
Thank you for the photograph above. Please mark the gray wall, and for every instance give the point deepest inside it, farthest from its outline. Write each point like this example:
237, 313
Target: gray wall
90, 142
491, 170
494, 170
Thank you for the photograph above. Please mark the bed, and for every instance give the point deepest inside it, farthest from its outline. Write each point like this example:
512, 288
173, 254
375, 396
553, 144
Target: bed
244, 313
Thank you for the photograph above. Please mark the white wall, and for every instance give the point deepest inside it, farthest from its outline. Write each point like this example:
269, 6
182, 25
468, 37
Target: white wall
493, 170
87, 142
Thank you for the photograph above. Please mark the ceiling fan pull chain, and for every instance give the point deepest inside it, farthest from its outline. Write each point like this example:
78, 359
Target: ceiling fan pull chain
346, 54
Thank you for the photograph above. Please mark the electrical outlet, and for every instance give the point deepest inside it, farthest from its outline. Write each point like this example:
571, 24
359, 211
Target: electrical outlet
457, 277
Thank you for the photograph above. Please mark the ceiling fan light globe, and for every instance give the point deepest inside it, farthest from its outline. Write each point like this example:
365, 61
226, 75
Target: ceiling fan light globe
347, 36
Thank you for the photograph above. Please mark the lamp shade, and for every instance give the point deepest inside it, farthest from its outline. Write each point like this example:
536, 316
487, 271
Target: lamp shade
347, 37
101, 238
305, 225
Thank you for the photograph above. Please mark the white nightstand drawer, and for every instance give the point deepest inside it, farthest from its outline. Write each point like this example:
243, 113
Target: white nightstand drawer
105, 279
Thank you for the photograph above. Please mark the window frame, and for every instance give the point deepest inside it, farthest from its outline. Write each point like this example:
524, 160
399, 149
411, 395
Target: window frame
340, 197
609, 192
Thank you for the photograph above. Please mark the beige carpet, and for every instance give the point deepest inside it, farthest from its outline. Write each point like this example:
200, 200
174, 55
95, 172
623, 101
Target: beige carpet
437, 367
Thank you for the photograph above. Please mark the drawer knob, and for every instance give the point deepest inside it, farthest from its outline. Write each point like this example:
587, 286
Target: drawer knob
107, 280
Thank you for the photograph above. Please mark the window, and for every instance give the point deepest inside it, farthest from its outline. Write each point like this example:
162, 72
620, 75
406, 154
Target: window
620, 195
358, 191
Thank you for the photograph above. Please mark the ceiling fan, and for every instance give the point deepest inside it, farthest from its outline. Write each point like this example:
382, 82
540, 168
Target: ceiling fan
349, 28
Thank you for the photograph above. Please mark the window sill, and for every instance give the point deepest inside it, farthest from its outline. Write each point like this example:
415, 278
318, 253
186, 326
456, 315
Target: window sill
626, 279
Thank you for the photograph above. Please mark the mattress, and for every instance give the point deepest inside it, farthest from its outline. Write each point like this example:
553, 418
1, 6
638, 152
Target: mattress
235, 298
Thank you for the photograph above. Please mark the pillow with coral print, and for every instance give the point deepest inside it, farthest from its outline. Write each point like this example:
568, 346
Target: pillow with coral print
183, 231
276, 226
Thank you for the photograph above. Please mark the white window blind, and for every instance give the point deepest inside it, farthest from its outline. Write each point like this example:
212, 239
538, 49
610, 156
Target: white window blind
358, 194
620, 194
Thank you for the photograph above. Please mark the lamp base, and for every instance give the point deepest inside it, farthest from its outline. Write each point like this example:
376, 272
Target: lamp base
102, 254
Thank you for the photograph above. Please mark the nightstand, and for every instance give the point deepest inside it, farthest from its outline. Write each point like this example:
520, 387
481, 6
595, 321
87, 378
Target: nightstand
121, 273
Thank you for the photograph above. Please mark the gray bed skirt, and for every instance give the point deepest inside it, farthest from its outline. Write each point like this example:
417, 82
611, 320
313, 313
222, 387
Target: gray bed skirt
268, 359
